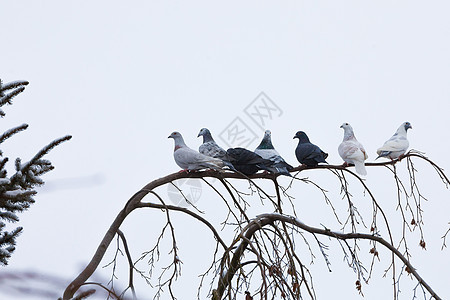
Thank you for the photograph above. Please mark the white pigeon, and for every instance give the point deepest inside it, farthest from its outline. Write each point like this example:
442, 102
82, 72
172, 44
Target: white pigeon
352, 151
397, 144
189, 159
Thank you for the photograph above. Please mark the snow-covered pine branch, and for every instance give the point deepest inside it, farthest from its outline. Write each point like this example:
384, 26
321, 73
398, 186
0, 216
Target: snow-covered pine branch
17, 191
7, 243
18, 86
12, 131
27, 174
11, 85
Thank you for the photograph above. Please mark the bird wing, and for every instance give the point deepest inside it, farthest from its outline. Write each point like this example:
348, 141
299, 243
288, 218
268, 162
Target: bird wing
243, 160
212, 149
314, 152
276, 160
304, 151
270, 154
396, 143
352, 150
243, 156
191, 158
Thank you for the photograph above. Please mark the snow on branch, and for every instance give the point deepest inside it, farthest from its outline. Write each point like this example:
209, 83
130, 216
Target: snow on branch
17, 191
17, 87
7, 243
9, 133
11, 85
27, 174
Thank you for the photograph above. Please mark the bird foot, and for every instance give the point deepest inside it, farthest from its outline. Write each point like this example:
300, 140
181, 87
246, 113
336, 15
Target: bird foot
400, 157
345, 164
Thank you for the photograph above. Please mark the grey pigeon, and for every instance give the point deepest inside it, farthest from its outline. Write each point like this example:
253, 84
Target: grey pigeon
248, 162
189, 159
397, 144
267, 151
352, 151
308, 153
209, 146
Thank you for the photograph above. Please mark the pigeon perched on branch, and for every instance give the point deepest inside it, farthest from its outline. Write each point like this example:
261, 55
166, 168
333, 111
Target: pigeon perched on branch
189, 159
267, 151
248, 162
308, 153
209, 146
397, 145
352, 151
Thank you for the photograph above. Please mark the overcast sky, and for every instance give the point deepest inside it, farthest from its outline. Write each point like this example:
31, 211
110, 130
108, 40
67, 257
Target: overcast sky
121, 76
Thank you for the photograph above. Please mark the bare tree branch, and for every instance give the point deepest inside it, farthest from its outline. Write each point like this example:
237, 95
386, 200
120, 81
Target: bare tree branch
273, 247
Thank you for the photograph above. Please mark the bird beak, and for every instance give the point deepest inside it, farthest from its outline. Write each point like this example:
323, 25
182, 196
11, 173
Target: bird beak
294, 137
169, 136
199, 134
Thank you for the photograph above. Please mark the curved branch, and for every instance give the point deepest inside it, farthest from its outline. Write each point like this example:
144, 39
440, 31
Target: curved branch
104, 244
130, 264
186, 211
135, 202
262, 220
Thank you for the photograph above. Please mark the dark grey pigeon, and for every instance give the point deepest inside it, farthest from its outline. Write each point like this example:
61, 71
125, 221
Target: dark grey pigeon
308, 153
248, 162
267, 151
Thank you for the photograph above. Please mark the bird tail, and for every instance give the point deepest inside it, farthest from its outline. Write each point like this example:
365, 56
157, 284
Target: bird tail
230, 165
212, 165
267, 168
360, 168
275, 169
283, 168
284, 171
287, 166
383, 154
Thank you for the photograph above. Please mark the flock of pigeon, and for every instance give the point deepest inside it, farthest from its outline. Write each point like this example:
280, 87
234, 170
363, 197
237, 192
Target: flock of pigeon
266, 158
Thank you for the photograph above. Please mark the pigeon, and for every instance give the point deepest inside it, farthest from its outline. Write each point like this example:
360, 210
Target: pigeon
248, 162
189, 159
209, 146
397, 145
267, 151
352, 151
308, 153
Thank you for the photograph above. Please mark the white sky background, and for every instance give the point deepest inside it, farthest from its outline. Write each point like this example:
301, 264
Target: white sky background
120, 77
